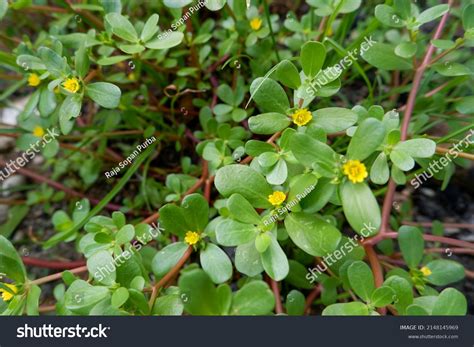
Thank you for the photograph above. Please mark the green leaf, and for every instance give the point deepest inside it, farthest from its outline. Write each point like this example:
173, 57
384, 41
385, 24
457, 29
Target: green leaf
432, 13
444, 272
417, 148
452, 69
403, 7
3, 8
361, 208
122, 27
466, 104
241, 210
231, 233
150, 28
347, 309
177, 3
105, 94
255, 298
30, 62
81, 297
274, 260
468, 17
312, 234
298, 275
416, 310
125, 234
99, 265
382, 56
402, 160
318, 197
411, 244
247, 259
450, 302
334, 119
361, 279
216, 263
54, 63
168, 257
166, 40
168, 305
366, 139
201, 296
47, 102
312, 58
32, 301
81, 62
268, 159
120, 297
379, 172
406, 49
382, 296
173, 219
226, 94
269, 95
15, 216
268, 123
245, 181
196, 211
113, 60
295, 303
11, 265
287, 74
131, 49
278, 174
71, 107
309, 151
388, 16
403, 292
262, 242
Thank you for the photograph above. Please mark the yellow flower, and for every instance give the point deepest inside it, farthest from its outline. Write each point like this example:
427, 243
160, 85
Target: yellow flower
355, 170
191, 238
71, 84
33, 80
276, 198
301, 117
6, 295
38, 131
425, 271
256, 23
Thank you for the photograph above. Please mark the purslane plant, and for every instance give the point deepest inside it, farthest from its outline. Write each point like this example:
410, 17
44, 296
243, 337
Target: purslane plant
274, 168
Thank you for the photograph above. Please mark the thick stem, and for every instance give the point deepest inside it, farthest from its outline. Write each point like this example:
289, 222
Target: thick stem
169, 275
376, 269
57, 276
276, 293
50, 264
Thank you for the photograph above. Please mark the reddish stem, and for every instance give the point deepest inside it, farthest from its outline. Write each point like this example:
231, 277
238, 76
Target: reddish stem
169, 275
377, 271
59, 186
276, 293
311, 297
51, 264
